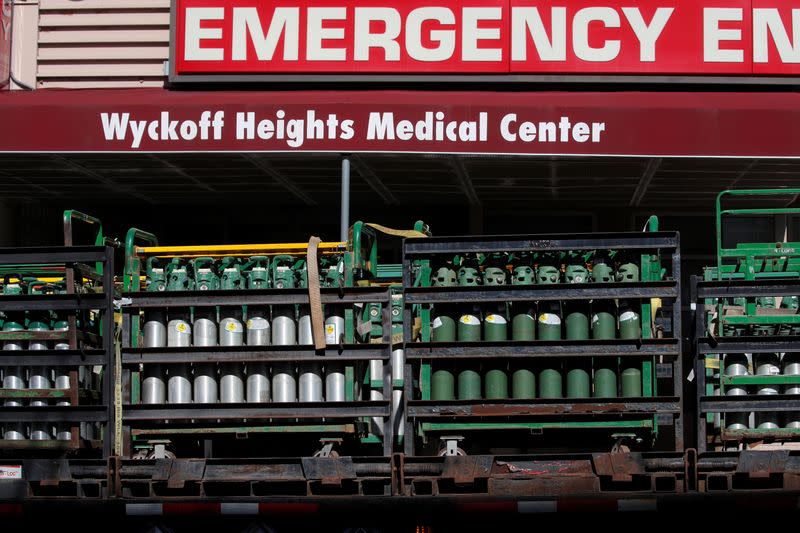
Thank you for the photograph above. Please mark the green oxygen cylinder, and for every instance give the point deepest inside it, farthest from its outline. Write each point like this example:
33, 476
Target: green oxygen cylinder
469, 324
444, 327
603, 326
630, 327
630, 324
496, 329
577, 325
549, 326
523, 328
523, 325
443, 384
469, 330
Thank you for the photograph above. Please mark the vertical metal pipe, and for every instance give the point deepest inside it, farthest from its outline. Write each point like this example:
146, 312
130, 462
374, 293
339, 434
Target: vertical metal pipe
345, 217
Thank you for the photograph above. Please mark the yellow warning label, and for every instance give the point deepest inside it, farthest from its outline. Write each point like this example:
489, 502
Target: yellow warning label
231, 326
330, 329
181, 327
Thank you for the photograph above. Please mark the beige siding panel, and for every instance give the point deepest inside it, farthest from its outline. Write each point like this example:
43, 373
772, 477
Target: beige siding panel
96, 70
122, 18
90, 53
113, 35
72, 5
102, 43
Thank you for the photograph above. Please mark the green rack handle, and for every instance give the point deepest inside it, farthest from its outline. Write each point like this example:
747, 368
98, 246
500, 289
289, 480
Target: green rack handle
132, 261
70, 215
732, 252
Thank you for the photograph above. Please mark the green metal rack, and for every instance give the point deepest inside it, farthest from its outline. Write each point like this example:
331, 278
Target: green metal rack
538, 421
746, 308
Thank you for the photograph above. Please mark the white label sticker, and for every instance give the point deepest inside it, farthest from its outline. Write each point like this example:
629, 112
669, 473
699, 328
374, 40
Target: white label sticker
330, 334
257, 323
496, 319
595, 319
627, 315
470, 320
10, 472
550, 319
437, 322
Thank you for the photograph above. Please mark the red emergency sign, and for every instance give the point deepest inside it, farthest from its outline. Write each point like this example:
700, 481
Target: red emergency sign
488, 37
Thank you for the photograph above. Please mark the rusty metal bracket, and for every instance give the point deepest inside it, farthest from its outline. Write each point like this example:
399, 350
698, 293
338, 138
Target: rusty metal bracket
463, 470
185, 470
762, 464
328, 470
620, 467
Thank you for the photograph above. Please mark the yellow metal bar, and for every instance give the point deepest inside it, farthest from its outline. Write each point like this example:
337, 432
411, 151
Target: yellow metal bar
236, 249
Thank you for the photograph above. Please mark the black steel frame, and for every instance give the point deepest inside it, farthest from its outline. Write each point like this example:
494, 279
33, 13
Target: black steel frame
133, 356
73, 258
664, 407
700, 290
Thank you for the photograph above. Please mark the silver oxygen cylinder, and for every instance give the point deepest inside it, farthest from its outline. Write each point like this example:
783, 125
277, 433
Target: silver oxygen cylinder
258, 334
334, 372
398, 414
63, 431
284, 333
310, 373
154, 389
205, 387
736, 365
205, 374
231, 333
791, 367
179, 335
204, 381
13, 378
376, 395
39, 378
767, 364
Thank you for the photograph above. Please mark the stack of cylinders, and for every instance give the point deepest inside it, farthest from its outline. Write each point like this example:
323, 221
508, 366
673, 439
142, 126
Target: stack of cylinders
284, 333
179, 335
576, 322
231, 333
523, 328
375, 395
206, 389
791, 367
311, 386
605, 368
334, 372
443, 385
469, 330
39, 378
154, 390
13, 378
767, 364
62, 381
398, 366
258, 334
496, 330
736, 365
549, 325
398, 363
